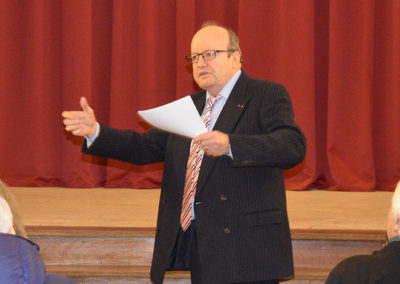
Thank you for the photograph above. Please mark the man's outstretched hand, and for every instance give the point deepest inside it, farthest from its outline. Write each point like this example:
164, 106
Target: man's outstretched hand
81, 123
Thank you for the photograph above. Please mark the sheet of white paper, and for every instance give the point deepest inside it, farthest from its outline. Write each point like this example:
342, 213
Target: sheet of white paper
180, 117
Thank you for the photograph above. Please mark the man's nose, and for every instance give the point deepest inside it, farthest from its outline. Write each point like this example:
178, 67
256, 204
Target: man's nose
201, 61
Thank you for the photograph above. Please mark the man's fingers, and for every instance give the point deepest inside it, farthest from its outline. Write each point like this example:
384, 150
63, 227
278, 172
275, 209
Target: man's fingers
78, 132
74, 114
72, 127
66, 114
72, 122
204, 137
80, 123
78, 114
214, 143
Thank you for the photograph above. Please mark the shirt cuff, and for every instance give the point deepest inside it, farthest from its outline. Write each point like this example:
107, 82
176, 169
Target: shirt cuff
89, 141
229, 154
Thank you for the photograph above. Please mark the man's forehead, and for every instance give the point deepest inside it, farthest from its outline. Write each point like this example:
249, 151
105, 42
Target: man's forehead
211, 37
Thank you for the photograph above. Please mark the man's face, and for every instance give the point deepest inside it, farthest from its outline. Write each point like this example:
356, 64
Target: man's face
212, 75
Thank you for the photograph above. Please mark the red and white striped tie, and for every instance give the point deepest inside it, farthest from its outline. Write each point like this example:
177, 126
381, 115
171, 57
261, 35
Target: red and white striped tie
193, 169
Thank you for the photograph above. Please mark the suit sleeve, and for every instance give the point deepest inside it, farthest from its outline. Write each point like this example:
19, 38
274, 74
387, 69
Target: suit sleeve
280, 142
129, 146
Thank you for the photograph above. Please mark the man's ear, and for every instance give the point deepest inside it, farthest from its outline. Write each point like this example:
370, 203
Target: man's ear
236, 58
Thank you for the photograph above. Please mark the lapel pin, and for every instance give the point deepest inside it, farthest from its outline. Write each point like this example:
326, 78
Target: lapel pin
240, 106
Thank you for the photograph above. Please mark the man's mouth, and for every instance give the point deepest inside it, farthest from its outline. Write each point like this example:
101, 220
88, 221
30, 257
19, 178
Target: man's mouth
203, 74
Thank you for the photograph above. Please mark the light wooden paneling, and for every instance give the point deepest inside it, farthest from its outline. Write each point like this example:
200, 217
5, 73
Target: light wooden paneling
107, 235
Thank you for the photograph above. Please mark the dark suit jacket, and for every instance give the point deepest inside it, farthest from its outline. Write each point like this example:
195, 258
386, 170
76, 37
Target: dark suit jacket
241, 219
382, 267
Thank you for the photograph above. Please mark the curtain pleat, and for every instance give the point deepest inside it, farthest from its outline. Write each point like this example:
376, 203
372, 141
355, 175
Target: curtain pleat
339, 60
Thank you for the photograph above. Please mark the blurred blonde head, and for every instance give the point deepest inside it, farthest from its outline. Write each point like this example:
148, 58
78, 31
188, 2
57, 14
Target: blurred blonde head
7, 196
393, 221
6, 219
395, 211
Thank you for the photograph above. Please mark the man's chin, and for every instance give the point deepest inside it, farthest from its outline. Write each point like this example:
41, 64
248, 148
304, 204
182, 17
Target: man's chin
203, 86
203, 82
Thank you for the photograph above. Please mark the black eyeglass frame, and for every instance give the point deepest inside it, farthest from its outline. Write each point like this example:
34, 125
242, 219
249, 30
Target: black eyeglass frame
190, 58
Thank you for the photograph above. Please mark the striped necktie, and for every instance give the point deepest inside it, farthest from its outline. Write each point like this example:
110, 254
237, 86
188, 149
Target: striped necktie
193, 169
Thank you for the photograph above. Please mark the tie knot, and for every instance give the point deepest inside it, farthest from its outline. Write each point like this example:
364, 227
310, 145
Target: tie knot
212, 100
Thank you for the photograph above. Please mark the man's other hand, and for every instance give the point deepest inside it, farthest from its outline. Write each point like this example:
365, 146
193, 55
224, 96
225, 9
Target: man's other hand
214, 143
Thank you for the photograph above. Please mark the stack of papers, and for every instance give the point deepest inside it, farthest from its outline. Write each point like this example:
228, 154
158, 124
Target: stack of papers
180, 117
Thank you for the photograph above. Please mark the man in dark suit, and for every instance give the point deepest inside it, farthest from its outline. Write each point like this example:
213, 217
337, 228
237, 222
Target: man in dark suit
222, 211
382, 266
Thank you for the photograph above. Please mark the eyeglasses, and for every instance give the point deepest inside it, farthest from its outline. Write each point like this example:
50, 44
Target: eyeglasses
207, 55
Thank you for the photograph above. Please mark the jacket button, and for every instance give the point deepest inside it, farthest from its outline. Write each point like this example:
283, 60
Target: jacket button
223, 197
227, 231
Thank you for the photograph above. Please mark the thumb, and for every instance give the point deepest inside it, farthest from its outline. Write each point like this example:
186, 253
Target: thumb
84, 104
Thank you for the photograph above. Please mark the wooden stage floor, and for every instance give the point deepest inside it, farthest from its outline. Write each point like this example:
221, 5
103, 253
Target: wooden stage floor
103, 235
128, 209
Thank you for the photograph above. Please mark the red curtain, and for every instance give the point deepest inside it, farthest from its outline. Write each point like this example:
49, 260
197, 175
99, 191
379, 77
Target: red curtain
339, 59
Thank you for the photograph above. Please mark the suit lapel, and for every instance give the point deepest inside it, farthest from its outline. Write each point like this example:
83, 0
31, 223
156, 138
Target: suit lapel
199, 101
229, 116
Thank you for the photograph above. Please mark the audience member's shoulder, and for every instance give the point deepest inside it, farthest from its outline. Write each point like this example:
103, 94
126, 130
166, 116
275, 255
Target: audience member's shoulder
9, 241
391, 277
352, 263
349, 270
58, 279
365, 269
21, 260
